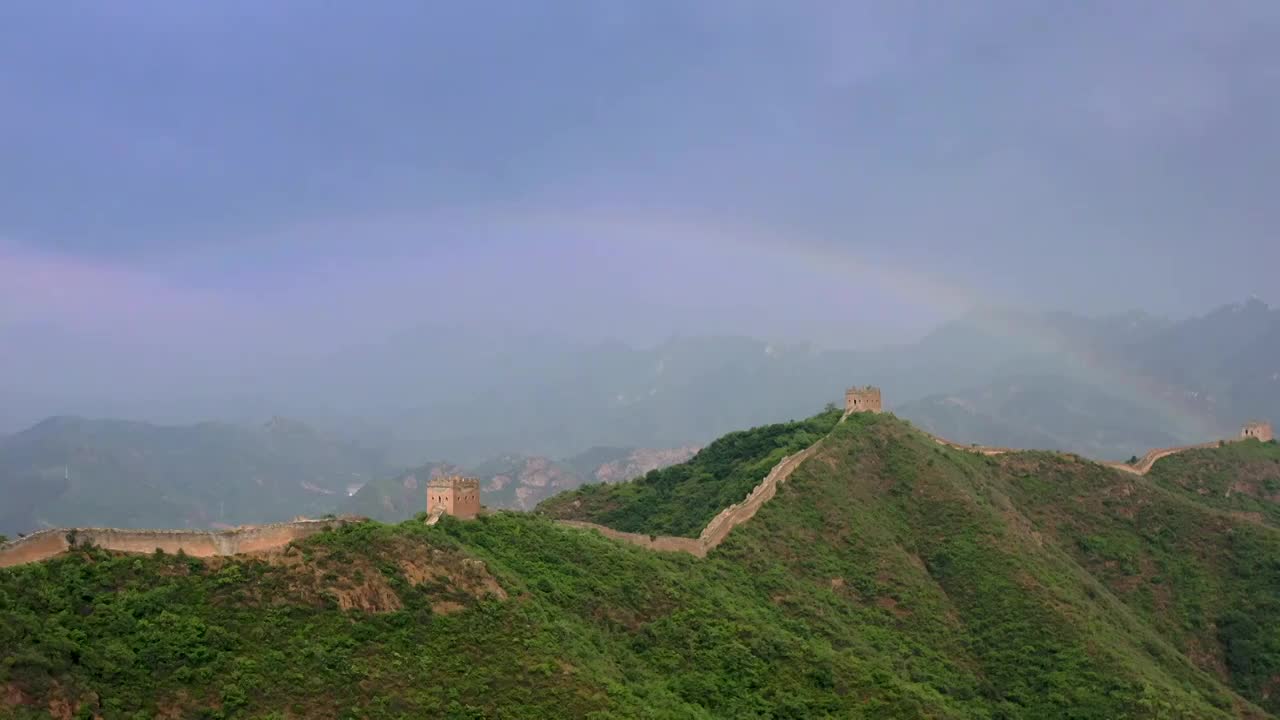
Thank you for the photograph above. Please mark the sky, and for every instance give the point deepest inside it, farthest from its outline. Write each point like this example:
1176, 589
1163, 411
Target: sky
207, 188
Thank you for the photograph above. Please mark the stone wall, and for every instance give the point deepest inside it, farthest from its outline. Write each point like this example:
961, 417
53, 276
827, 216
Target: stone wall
862, 399
1258, 430
720, 526
979, 449
665, 543
1147, 461
1142, 467
718, 529
32, 548
197, 543
454, 495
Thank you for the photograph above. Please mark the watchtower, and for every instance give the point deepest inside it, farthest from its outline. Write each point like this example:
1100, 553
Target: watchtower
1258, 429
862, 399
453, 495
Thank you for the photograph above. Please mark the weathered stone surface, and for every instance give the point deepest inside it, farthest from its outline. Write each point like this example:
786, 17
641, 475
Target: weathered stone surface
721, 525
197, 543
862, 399
454, 495
1257, 430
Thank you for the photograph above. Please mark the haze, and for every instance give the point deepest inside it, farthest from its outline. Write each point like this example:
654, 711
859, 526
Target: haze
201, 204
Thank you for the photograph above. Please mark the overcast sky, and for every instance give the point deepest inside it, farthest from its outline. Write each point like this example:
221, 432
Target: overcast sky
228, 179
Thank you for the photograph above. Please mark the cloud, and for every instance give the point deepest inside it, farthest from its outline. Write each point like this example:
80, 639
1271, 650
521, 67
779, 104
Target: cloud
818, 171
93, 296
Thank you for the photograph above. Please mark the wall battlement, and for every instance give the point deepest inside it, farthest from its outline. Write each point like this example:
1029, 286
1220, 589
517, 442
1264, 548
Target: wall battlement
45, 544
453, 495
454, 481
1258, 430
862, 399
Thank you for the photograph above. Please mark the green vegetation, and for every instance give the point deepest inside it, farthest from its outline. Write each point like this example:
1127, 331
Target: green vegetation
682, 499
889, 577
1207, 580
1241, 476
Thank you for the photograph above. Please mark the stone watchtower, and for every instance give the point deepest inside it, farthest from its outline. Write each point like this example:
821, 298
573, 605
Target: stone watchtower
453, 495
1258, 429
862, 399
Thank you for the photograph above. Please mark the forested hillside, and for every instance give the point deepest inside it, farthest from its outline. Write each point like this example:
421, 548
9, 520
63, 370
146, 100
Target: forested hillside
889, 577
681, 499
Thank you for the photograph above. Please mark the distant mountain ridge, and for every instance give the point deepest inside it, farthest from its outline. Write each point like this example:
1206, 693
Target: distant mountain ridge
510, 481
1182, 380
1109, 387
888, 576
1106, 387
69, 471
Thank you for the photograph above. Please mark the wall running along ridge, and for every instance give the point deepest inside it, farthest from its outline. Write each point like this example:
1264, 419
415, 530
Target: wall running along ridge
45, 544
1142, 467
718, 529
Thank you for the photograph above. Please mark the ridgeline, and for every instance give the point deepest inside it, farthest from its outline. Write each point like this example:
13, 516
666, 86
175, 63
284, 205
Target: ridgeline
889, 576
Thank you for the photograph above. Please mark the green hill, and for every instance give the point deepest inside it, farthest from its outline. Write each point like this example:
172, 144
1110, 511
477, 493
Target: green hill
681, 499
889, 577
1238, 477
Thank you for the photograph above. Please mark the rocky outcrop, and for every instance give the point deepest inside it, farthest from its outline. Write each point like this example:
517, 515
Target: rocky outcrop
640, 462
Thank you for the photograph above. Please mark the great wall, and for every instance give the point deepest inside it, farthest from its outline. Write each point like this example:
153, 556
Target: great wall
718, 529
857, 400
45, 544
1141, 467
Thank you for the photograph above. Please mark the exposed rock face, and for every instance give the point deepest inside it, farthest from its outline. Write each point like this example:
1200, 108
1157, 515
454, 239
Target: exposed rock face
515, 482
520, 482
642, 461
451, 580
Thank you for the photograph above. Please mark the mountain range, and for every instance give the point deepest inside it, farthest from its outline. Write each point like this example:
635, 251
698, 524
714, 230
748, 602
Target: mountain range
995, 376
889, 576
514, 482
69, 471
1106, 387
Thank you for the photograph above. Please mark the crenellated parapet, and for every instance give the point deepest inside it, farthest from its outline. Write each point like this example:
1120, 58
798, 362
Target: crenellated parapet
1258, 430
45, 544
454, 495
862, 399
